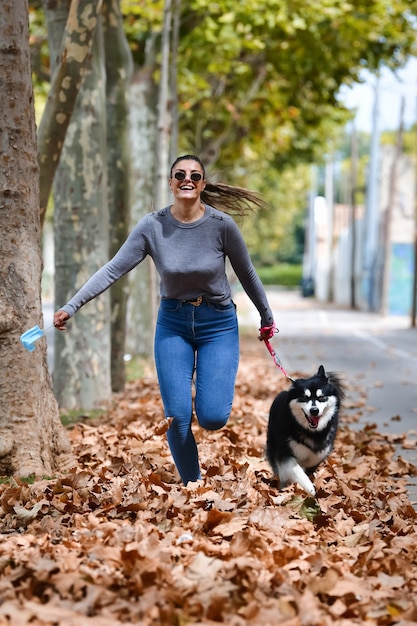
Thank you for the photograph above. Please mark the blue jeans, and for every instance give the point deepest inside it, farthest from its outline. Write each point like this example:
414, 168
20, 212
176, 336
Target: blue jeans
201, 340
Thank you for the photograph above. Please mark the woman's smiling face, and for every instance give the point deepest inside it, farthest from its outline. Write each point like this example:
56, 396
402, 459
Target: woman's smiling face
187, 179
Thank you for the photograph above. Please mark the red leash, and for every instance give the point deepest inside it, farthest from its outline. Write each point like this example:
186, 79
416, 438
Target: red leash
277, 360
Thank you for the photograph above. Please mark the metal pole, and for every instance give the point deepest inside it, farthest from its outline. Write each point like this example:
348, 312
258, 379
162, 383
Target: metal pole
353, 185
372, 213
329, 195
387, 220
414, 296
309, 261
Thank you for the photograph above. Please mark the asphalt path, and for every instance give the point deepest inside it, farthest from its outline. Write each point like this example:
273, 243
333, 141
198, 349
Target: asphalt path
376, 356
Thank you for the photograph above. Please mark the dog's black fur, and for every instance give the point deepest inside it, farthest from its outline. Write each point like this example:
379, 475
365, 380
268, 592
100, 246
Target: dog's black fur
302, 427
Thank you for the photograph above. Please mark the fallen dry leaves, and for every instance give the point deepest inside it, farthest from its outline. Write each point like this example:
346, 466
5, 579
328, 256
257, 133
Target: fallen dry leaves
120, 541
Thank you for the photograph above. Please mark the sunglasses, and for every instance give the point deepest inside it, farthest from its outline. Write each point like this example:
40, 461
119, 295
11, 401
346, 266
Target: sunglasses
195, 176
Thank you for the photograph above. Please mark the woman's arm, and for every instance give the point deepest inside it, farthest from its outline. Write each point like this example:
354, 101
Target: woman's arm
241, 262
131, 253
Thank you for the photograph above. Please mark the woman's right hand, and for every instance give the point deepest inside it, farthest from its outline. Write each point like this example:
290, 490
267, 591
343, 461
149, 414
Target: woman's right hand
60, 319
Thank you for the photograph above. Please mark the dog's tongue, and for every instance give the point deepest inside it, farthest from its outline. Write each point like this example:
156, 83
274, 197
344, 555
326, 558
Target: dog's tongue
314, 421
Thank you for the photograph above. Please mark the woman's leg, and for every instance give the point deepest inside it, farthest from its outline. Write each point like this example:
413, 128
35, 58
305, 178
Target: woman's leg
216, 364
174, 359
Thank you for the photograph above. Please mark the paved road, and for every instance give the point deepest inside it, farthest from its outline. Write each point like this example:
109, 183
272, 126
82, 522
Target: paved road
376, 355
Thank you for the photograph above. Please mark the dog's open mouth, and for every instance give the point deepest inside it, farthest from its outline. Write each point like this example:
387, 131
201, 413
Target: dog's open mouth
313, 420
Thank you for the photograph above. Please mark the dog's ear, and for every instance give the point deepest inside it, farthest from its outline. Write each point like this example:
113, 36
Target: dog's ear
321, 372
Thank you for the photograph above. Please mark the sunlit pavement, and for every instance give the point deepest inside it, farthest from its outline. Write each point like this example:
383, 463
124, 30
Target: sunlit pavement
376, 355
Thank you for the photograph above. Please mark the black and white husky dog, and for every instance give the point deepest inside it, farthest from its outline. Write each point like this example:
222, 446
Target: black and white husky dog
302, 427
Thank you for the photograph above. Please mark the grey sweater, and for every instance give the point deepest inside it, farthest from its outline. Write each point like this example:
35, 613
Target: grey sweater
190, 260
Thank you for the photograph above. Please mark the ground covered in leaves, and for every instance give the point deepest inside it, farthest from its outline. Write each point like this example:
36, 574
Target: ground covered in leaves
120, 541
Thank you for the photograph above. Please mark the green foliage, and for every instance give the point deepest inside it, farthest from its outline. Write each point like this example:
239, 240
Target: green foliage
307, 507
342, 154
28, 480
258, 86
259, 79
276, 233
261, 73
284, 274
143, 24
72, 417
135, 368
39, 49
409, 141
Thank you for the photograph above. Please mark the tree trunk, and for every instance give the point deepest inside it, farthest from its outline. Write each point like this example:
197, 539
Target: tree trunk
119, 68
82, 354
164, 119
173, 79
66, 82
32, 438
143, 93
353, 225
162, 151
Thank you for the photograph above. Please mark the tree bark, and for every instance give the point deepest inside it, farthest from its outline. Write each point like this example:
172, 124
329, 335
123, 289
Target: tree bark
119, 68
173, 78
74, 58
164, 118
82, 354
32, 438
143, 97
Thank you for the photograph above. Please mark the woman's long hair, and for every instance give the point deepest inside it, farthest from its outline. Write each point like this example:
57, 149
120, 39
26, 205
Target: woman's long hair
226, 198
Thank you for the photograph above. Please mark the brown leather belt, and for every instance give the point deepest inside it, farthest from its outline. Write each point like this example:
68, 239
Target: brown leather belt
195, 302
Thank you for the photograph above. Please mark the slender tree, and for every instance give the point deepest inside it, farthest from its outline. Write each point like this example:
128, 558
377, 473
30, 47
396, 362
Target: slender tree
173, 79
32, 439
164, 118
74, 58
119, 67
353, 211
81, 225
143, 98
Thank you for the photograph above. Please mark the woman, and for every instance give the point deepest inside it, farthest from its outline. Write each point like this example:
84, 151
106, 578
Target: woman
196, 330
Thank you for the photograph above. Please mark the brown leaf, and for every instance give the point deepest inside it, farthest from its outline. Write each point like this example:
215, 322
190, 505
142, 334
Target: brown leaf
162, 426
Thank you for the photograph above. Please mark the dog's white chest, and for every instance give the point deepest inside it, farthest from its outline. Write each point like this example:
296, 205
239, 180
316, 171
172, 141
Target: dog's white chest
307, 457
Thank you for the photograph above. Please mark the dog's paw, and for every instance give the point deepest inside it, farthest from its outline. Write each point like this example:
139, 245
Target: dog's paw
303, 480
291, 472
308, 487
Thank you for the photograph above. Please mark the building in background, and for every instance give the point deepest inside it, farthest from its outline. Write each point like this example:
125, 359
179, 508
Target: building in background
338, 251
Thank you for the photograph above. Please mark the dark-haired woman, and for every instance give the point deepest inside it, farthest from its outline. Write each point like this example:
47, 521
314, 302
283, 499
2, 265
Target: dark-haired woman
196, 334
